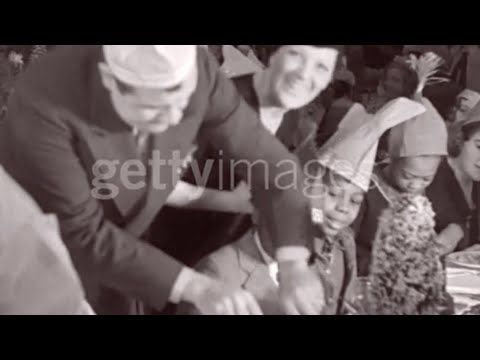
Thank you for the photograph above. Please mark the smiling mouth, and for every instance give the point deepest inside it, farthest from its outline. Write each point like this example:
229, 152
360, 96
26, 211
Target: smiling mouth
293, 86
333, 225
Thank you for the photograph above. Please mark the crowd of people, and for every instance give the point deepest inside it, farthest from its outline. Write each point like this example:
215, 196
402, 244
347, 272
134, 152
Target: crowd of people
225, 179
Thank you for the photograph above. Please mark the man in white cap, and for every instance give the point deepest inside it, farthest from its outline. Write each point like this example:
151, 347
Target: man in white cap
83, 123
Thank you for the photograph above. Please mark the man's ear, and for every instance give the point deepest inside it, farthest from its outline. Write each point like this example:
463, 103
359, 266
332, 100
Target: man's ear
108, 80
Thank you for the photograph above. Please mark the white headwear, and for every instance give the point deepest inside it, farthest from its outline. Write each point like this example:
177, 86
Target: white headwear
237, 64
351, 151
423, 135
472, 98
151, 66
473, 116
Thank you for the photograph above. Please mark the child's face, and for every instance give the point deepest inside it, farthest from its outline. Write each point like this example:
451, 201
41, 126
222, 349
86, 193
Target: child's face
414, 174
339, 203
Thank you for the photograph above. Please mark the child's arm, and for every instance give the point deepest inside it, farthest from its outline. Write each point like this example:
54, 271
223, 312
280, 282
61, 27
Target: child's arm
450, 237
198, 198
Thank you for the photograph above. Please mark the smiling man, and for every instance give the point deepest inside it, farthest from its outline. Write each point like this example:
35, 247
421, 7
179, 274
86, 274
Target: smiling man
84, 104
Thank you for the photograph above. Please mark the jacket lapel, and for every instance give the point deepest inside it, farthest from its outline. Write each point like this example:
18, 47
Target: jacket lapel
176, 147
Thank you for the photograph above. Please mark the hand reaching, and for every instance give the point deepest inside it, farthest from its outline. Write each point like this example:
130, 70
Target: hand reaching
301, 290
212, 297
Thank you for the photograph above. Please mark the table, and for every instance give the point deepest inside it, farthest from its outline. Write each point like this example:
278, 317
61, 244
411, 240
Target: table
463, 285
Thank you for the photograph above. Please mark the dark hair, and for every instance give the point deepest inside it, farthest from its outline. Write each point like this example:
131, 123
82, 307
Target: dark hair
443, 97
217, 52
458, 135
341, 89
410, 78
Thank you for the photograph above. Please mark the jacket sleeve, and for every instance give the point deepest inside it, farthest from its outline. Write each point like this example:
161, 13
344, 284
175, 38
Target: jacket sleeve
42, 158
232, 126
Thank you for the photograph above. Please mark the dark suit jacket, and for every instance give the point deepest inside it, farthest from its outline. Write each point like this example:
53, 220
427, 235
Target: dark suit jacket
61, 122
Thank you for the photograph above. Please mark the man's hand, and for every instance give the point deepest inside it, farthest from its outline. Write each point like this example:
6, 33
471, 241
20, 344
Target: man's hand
242, 198
212, 297
301, 290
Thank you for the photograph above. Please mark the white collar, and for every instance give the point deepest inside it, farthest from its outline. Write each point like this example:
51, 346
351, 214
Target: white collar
268, 260
271, 119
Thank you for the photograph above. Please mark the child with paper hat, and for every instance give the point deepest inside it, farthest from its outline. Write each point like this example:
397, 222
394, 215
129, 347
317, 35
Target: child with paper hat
339, 175
416, 149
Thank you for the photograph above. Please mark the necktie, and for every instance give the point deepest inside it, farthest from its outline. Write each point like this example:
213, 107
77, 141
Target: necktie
142, 144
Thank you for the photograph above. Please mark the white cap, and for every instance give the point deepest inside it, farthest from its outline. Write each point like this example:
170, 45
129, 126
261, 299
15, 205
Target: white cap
151, 66
351, 151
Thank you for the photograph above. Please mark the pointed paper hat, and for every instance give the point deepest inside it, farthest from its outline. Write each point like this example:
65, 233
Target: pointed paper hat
352, 150
237, 64
424, 135
151, 66
472, 98
473, 116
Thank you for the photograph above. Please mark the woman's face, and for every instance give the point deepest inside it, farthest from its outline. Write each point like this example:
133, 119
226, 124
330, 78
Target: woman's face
470, 157
393, 83
299, 73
